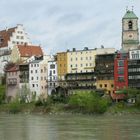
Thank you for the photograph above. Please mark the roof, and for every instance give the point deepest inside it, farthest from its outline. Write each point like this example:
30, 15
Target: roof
35, 61
11, 69
130, 15
5, 36
29, 50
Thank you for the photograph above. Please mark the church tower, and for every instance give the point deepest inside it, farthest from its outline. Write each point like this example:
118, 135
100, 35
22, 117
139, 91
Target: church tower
130, 31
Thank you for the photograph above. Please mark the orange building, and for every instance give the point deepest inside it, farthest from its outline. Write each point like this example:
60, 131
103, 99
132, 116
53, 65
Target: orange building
62, 65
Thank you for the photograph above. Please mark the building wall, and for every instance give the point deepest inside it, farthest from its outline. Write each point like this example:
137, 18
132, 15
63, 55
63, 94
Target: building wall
52, 76
120, 84
130, 37
62, 64
134, 54
15, 56
19, 37
12, 89
37, 78
81, 61
34, 78
107, 85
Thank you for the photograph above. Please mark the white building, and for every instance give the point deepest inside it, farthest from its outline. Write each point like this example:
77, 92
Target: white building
8, 39
52, 75
37, 77
134, 54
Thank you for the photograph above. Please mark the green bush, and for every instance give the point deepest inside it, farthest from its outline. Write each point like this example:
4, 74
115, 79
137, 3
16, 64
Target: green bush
14, 107
89, 102
2, 94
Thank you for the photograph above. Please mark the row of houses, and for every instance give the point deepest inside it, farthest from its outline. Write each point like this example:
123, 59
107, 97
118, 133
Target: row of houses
103, 69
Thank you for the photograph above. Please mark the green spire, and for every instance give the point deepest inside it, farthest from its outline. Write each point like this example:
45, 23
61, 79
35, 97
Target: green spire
130, 15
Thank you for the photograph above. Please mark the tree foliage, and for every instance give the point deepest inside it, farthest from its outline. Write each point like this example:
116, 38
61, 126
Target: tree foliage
89, 102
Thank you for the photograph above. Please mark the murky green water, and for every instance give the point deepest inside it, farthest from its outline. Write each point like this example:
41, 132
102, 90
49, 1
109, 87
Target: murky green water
69, 127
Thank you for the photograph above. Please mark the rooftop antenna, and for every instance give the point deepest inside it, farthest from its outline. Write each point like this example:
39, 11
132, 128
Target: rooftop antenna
132, 8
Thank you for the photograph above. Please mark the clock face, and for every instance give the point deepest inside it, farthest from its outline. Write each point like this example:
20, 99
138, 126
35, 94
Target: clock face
130, 36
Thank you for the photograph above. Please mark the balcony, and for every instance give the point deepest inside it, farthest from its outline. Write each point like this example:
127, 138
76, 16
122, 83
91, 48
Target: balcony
12, 83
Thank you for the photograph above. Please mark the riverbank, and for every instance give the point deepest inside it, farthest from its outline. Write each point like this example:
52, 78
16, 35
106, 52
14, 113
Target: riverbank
31, 108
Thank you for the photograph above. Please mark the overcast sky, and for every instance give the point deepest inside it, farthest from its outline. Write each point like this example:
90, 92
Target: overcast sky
59, 25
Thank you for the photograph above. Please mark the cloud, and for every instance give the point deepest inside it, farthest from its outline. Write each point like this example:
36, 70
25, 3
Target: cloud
61, 24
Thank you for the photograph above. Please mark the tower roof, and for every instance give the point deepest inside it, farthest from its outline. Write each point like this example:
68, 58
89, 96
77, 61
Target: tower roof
130, 15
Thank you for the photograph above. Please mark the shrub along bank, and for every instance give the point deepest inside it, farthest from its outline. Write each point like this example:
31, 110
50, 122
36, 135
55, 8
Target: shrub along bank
80, 102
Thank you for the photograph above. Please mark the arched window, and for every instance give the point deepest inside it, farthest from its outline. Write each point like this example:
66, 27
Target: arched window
130, 25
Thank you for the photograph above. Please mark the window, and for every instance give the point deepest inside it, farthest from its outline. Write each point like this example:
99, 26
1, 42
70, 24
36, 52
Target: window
52, 66
31, 71
135, 56
112, 85
41, 70
130, 25
105, 85
121, 71
35, 71
32, 78
33, 85
100, 85
81, 65
71, 66
71, 59
121, 78
121, 63
53, 71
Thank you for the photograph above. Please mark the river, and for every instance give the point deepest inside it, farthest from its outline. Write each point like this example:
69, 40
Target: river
69, 127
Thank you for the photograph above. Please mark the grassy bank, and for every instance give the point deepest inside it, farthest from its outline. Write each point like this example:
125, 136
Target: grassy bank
81, 102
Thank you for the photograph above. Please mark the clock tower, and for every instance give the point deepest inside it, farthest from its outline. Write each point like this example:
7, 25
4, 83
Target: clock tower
130, 31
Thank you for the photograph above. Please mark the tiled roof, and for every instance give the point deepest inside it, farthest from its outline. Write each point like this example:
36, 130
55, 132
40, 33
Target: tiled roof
11, 69
29, 50
5, 36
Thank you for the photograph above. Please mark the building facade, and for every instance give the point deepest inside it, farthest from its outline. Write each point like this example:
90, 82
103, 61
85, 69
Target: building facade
12, 82
130, 31
52, 80
38, 77
8, 39
120, 75
134, 69
105, 72
21, 53
83, 61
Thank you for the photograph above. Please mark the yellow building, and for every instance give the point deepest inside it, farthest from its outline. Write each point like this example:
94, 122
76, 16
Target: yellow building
62, 65
107, 85
83, 61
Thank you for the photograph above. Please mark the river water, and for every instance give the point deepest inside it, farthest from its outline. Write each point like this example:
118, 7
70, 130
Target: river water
69, 127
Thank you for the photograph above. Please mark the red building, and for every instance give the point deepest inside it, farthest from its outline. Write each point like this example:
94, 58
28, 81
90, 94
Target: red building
120, 75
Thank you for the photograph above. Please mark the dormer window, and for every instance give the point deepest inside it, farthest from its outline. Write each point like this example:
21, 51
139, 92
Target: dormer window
130, 25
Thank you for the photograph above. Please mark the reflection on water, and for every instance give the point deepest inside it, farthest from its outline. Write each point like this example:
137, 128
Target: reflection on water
69, 127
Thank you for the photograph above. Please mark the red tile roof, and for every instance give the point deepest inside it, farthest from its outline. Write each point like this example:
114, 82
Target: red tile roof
29, 50
5, 36
12, 69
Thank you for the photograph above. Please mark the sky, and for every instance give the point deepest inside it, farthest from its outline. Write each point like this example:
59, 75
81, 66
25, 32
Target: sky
58, 25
